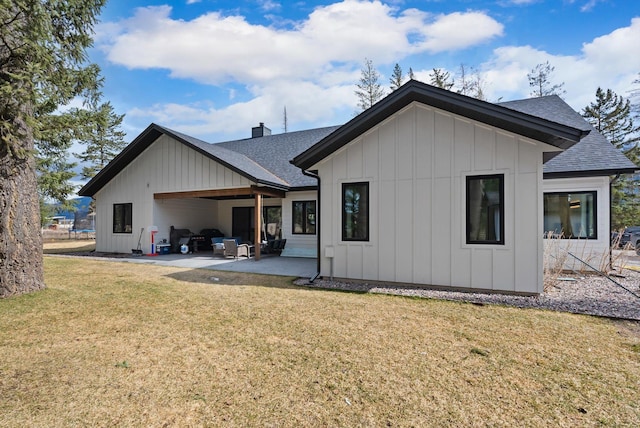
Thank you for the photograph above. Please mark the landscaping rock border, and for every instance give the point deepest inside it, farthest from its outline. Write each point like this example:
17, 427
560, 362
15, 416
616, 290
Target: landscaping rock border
589, 294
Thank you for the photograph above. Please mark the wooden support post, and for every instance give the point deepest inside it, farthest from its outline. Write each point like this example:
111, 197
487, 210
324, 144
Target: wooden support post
258, 232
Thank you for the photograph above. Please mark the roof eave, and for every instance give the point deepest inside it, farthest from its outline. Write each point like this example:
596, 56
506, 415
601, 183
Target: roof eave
533, 127
589, 173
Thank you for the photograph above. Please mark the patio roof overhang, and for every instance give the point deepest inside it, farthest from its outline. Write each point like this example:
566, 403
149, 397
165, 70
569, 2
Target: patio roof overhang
222, 193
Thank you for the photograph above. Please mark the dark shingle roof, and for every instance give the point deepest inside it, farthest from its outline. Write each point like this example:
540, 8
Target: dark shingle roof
274, 152
267, 160
593, 155
234, 160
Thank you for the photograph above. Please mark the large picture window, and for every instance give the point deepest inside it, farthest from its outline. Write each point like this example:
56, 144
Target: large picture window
570, 215
122, 218
304, 217
355, 211
485, 209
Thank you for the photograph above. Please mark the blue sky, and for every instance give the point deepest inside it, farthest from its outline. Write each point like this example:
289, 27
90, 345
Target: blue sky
213, 69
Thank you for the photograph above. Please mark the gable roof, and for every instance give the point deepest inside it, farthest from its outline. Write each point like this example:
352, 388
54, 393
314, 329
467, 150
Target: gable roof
534, 127
593, 155
233, 160
264, 160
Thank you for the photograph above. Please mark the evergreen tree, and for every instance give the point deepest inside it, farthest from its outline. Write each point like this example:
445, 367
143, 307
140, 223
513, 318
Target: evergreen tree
369, 90
540, 81
53, 169
611, 115
42, 67
103, 138
411, 76
397, 78
441, 79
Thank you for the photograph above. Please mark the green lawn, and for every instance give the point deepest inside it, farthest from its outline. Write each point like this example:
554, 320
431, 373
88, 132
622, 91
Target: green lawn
120, 344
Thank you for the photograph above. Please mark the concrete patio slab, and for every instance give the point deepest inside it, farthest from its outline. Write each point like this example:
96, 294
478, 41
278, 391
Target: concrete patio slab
270, 265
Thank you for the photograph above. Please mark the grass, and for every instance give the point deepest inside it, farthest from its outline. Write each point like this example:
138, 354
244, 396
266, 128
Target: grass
61, 246
117, 344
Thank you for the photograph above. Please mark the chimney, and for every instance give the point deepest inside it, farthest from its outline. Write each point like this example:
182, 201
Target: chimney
260, 131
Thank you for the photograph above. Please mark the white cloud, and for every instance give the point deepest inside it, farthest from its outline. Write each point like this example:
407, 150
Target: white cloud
320, 106
607, 61
215, 49
269, 5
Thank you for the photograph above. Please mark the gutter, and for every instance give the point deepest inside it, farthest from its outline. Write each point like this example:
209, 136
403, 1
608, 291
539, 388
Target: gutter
317, 177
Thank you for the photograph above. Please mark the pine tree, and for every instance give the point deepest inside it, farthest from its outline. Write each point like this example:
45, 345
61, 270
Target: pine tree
42, 67
397, 78
411, 76
540, 81
441, 79
103, 138
611, 115
369, 90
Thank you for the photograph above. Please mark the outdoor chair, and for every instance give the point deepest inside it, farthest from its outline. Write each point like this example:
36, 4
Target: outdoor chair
232, 248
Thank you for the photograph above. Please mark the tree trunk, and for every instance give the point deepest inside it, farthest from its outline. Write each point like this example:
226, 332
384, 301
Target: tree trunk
21, 265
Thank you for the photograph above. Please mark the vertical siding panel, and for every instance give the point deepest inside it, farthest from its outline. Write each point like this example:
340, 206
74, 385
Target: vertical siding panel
354, 267
424, 142
422, 248
484, 148
441, 236
387, 231
504, 270
370, 154
404, 235
482, 263
526, 211
463, 146
506, 151
387, 133
405, 143
443, 143
355, 160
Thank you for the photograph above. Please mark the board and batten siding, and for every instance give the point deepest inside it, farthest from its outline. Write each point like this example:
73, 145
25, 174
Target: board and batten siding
416, 162
165, 166
298, 245
593, 251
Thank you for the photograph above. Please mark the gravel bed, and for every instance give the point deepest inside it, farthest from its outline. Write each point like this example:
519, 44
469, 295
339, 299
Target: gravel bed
591, 294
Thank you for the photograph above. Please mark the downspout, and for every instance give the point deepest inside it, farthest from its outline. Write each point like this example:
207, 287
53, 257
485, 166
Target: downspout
611, 183
317, 177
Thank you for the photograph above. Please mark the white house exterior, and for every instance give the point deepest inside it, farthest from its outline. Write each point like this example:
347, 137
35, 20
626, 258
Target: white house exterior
417, 164
165, 178
577, 189
456, 190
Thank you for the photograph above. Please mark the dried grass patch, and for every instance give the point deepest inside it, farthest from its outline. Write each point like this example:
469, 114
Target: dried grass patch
68, 246
121, 344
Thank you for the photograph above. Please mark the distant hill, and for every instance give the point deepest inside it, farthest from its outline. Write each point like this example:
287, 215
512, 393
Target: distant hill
80, 216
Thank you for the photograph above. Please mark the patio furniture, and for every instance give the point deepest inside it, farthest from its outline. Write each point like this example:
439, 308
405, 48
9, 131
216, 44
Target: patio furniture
232, 248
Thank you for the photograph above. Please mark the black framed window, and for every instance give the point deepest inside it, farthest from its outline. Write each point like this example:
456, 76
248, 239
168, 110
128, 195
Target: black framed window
355, 211
485, 209
304, 218
571, 215
122, 218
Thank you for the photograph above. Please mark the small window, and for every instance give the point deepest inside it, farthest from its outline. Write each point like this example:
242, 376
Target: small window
355, 211
122, 218
485, 209
570, 215
304, 217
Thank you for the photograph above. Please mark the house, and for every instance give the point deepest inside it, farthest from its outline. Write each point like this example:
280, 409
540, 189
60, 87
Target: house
577, 185
426, 187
